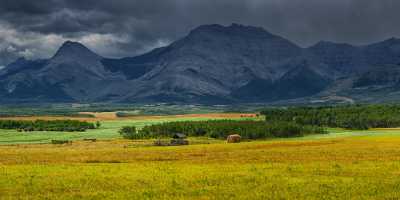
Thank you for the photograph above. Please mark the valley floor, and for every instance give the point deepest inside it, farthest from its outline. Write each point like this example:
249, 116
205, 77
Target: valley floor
341, 165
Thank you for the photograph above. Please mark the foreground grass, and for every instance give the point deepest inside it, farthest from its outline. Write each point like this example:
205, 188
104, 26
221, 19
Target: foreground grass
339, 165
355, 167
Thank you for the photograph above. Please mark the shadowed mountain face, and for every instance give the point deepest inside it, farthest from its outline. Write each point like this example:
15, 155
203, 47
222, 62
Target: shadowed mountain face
212, 64
300, 81
74, 73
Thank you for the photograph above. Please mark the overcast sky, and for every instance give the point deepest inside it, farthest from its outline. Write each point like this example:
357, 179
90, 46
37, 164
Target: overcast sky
118, 28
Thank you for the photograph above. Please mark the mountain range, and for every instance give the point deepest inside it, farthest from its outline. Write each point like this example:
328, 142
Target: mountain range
213, 64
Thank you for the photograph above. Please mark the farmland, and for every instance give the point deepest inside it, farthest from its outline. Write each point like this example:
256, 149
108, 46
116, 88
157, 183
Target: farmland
342, 164
333, 167
110, 125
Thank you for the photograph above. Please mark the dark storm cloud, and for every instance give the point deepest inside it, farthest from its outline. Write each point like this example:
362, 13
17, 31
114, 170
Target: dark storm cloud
128, 27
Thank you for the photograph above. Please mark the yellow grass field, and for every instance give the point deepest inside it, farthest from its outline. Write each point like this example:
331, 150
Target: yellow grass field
342, 167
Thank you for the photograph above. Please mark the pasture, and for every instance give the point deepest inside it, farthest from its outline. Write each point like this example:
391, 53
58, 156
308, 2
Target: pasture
340, 165
110, 124
334, 167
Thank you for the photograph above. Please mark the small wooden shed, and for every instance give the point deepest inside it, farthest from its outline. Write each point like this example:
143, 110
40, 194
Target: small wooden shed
179, 136
179, 139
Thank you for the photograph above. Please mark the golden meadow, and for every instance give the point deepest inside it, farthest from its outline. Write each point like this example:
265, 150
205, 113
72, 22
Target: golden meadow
339, 165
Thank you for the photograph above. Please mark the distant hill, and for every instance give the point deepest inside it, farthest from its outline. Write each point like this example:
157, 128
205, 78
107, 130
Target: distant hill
213, 64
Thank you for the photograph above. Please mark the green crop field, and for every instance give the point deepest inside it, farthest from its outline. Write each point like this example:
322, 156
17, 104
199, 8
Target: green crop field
342, 164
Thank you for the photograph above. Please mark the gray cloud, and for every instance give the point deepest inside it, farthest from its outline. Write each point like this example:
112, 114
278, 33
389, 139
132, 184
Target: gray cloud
129, 27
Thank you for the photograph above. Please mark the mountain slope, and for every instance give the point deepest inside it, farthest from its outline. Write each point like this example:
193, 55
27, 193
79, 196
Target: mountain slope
213, 60
212, 64
74, 73
300, 81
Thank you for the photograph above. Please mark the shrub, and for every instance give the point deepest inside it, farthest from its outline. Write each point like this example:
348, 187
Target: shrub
98, 124
61, 142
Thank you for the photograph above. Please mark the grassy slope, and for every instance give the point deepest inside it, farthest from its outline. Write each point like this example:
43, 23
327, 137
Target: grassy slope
356, 167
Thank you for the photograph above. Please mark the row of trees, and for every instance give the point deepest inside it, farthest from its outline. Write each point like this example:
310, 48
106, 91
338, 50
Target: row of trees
350, 117
221, 129
129, 132
44, 125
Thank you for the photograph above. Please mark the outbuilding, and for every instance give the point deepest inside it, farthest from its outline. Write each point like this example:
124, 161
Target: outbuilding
179, 139
179, 136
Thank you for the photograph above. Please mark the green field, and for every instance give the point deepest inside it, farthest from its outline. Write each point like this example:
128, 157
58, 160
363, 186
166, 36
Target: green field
340, 165
108, 130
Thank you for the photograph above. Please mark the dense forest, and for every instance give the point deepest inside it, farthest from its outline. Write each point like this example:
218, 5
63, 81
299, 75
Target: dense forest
43, 125
351, 117
221, 129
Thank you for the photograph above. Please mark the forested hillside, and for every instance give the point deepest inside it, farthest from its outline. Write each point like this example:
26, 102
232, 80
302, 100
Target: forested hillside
351, 117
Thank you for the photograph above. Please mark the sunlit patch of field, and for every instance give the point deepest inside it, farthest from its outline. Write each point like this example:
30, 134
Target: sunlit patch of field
208, 115
102, 115
111, 116
385, 129
357, 167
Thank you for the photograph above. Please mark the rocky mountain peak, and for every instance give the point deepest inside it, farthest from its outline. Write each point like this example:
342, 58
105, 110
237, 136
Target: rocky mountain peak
71, 50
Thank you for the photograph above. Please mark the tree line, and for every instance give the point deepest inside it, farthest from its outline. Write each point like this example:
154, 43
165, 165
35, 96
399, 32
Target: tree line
44, 125
221, 129
360, 117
